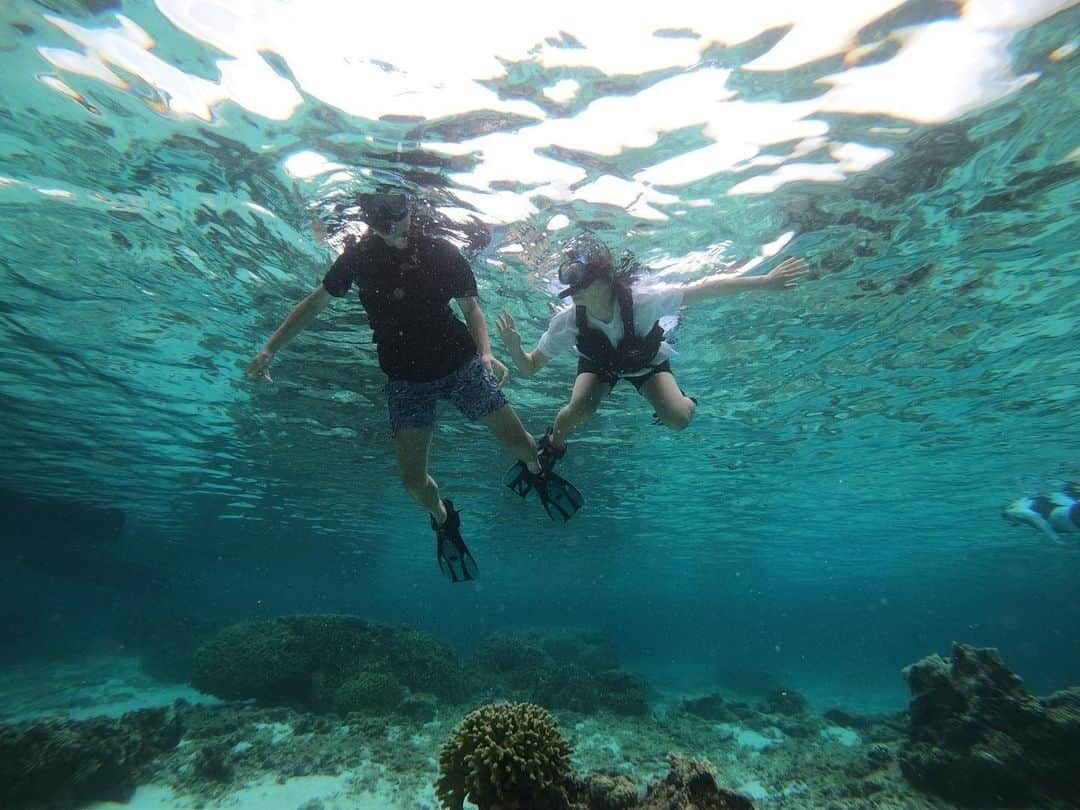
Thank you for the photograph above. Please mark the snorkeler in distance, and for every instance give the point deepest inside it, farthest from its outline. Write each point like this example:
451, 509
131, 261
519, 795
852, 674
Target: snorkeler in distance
406, 278
1052, 513
614, 327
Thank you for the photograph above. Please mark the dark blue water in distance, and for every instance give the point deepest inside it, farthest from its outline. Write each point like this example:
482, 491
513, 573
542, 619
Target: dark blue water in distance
833, 514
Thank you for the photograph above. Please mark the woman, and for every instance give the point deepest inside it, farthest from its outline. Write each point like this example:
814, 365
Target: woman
615, 330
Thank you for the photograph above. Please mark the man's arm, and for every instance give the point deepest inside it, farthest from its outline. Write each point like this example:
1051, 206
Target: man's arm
477, 323
302, 316
782, 277
528, 363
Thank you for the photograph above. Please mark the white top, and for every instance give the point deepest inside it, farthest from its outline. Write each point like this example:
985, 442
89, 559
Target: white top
650, 305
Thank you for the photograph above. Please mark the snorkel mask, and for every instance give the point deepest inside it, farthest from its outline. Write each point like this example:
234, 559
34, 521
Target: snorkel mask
384, 211
585, 259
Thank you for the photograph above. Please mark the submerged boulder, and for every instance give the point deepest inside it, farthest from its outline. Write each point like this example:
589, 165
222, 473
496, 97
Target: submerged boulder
369, 691
306, 660
544, 648
691, 784
574, 646
570, 688
712, 707
623, 692
70, 763
782, 701
603, 791
977, 737
260, 660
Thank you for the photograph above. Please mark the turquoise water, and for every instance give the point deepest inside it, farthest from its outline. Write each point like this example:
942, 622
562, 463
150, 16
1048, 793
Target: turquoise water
833, 514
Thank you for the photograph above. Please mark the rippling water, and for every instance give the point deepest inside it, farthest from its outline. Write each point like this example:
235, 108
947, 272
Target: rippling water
163, 169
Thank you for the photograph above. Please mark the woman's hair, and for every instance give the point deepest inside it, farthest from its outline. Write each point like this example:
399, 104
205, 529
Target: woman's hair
620, 285
627, 265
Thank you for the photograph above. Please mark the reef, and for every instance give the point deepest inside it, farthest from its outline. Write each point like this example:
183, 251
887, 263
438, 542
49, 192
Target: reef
786, 711
68, 763
979, 738
513, 756
560, 669
326, 663
344, 708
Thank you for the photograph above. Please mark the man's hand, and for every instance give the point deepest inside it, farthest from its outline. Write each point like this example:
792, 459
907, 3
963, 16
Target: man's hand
785, 275
508, 331
496, 368
260, 366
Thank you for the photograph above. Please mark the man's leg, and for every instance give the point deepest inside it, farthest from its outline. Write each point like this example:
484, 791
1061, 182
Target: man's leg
589, 391
675, 409
412, 445
477, 395
505, 425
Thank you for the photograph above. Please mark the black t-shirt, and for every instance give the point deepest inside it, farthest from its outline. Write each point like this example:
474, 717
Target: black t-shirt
407, 293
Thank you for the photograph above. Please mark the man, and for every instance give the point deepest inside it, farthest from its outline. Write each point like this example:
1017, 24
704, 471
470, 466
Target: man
405, 278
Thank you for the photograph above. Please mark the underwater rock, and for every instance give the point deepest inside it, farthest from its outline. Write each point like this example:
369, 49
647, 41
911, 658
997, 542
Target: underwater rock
569, 687
977, 737
305, 660
370, 691
710, 707
691, 784
424, 663
262, 660
515, 660
719, 709
787, 702
603, 791
570, 646
69, 763
508, 755
623, 692
541, 649
559, 669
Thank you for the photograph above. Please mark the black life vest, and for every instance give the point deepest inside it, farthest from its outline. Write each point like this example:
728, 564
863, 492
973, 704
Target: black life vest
634, 353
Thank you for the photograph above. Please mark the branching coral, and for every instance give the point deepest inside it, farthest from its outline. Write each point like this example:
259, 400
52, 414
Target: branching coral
508, 755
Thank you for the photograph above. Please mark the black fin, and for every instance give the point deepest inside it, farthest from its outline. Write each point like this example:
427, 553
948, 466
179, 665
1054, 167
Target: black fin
560, 498
450, 550
520, 480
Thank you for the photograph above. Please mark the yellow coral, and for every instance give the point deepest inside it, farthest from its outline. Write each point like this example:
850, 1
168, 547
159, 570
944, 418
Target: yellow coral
506, 754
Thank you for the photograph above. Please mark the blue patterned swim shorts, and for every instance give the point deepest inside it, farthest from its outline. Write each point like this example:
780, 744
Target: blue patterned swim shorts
472, 390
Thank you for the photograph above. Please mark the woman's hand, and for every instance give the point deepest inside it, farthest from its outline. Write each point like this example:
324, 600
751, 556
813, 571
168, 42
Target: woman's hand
785, 275
496, 368
508, 331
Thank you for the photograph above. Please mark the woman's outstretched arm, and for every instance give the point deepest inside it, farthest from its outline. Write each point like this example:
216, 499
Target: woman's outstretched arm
782, 277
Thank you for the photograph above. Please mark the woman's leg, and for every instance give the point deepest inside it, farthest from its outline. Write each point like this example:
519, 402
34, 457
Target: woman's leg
675, 410
589, 391
412, 445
